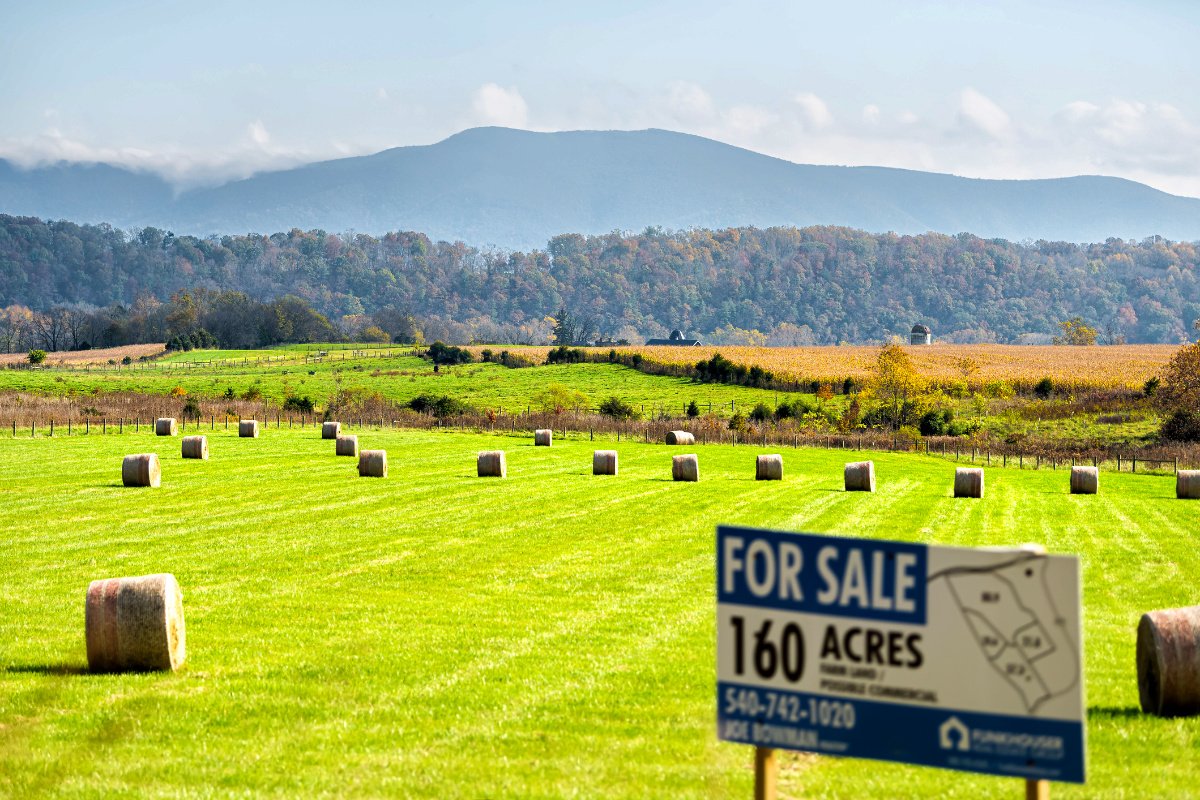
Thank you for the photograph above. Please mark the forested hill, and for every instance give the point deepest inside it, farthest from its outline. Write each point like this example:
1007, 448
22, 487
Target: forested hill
516, 189
823, 284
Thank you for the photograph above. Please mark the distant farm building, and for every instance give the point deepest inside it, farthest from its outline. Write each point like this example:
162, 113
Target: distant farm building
921, 334
675, 340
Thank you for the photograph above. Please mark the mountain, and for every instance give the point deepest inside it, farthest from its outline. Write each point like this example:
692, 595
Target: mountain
517, 189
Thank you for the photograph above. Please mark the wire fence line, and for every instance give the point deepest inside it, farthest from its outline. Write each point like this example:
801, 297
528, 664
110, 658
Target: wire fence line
590, 426
158, 365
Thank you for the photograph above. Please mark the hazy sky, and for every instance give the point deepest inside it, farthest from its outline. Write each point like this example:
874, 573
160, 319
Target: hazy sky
204, 91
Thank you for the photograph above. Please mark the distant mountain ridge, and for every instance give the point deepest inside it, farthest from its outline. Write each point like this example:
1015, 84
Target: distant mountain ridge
517, 189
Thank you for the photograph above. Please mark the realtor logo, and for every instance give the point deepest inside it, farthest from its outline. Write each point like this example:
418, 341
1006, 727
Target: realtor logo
951, 730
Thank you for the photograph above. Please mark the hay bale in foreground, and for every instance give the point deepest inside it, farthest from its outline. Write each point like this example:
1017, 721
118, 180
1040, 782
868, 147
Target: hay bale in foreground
248, 429
1168, 662
165, 426
491, 464
768, 468
141, 470
604, 462
346, 446
1187, 484
195, 447
372, 464
542, 437
968, 482
860, 476
680, 437
1085, 480
134, 624
685, 468
331, 430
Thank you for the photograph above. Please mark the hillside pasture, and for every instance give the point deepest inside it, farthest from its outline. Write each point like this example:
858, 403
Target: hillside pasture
551, 634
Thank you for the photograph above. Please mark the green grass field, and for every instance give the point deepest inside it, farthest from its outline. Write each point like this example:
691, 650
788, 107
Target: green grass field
433, 634
399, 378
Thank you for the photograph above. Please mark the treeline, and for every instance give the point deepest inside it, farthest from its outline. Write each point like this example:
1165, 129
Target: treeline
785, 286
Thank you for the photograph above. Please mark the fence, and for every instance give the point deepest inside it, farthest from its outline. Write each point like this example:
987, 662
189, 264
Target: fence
171, 367
579, 424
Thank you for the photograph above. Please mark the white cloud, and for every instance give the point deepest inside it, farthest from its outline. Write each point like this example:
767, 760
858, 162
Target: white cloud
258, 133
907, 118
381, 93
871, 114
976, 110
689, 102
814, 111
749, 119
495, 105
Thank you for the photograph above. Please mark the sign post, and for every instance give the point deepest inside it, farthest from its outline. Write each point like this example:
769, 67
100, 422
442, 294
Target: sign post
959, 658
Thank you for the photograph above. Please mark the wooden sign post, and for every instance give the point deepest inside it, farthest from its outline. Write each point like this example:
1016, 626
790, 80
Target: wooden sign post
766, 773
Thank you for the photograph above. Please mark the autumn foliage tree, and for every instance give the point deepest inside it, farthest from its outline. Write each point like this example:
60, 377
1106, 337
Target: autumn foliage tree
1179, 394
896, 381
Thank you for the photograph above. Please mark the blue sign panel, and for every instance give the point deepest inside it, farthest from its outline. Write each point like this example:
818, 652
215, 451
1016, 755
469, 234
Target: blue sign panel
959, 658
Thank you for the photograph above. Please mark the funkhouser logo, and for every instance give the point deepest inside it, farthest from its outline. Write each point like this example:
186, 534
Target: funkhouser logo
954, 735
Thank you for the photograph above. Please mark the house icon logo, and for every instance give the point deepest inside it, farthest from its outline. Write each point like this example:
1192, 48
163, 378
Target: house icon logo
954, 735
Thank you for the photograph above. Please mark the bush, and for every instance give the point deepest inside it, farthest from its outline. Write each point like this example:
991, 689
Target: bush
445, 354
566, 355
191, 408
617, 409
1044, 388
693, 410
737, 422
936, 422
1182, 426
1150, 387
126, 360
298, 404
443, 406
228, 393
253, 393
179, 391
36, 356
761, 413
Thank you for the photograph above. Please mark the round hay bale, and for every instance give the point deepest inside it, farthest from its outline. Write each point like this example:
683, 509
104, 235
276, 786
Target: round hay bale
331, 430
604, 462
1187, 484
134, 624
685, 468
1168, 662
346, 445
195, 447
680, 437
768, 468
1085, 480
968, 482
165, 426
542, 437
491, 464
141, 470
860, 476
372, 464
248, 429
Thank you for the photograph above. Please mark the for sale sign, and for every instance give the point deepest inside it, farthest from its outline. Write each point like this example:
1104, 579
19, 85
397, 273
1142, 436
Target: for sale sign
950, 657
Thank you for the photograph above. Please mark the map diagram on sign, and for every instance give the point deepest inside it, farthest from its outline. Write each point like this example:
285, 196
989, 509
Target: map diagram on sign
1012, 615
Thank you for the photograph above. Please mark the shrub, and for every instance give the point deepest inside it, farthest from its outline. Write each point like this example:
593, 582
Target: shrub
617, 409
998, 389
693, 410
253, 393
441, 406
126, 360
1182, 426
441, 353
761, 413
566, 355
228, 393
1150, 387
737, 422
36, 356
298, 404
179, 391
191, 407
1044, 388
373, 334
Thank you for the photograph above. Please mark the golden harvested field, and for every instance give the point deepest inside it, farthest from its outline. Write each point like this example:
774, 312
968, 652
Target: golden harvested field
97, 356
1098, 366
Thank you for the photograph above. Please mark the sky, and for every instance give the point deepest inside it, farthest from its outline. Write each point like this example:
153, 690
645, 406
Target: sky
205, 92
